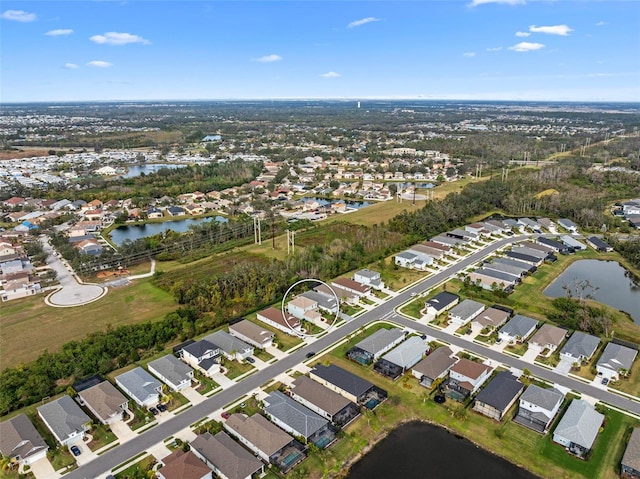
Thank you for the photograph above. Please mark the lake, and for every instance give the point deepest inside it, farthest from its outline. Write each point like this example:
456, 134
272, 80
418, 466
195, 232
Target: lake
137, 231
613, 283
324, 202
418, 450
137, 170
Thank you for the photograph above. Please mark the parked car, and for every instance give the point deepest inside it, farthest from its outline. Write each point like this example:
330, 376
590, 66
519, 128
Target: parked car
605, 381
310, 353
75, 450
225, 415
161, 407
153, 411
251, 360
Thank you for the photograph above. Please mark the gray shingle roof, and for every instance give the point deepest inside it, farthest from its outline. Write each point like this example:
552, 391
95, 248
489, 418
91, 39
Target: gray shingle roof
441, 300
466, 309
342, 379
380, 340
200, 348
580, 423
139, 383
319, 395
406, 353
580, 344
616, 357
500, 391
436, 363
229, 457
298, 417
104, 399
228, 343
64, 417
631, 456
519, 326
259, 431
19, 437
171, 368
546, 398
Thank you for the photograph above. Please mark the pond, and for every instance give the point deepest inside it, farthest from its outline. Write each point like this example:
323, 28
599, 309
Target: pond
137, 170
415, 448
324, 202
137, 231
613, 283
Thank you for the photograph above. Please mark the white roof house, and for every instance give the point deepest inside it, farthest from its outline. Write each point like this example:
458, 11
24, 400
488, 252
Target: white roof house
464, 312
615, 358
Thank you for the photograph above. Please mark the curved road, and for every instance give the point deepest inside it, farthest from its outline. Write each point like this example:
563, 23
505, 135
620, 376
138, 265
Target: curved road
157, 434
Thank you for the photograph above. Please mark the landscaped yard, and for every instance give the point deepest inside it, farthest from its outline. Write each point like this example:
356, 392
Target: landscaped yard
235, 369
174, 400
262, 355
102, 436
414, 308
138, 470
206, 384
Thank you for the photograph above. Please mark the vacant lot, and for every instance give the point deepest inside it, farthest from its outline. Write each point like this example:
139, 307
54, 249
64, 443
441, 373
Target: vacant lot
28, 326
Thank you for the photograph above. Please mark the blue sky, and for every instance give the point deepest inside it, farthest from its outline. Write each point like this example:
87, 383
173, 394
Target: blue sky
578, 50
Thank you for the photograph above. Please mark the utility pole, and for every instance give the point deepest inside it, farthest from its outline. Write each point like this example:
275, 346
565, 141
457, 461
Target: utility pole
273, 232
291, 242
257, 230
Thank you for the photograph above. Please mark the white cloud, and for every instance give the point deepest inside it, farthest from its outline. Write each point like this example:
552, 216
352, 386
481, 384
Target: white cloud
269, 58
70, 66
18, 16
362, 21
600, 24
522, 34
562, 30
99, 64
59, 32
470, 54
475, 3
494, 49
526, 47
330, 75
115, 38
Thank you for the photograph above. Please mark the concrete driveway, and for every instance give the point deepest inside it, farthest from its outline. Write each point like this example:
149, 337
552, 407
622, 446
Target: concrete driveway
72, 292
43, 469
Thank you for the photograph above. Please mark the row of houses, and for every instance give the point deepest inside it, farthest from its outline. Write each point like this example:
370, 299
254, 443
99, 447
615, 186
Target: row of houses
18, 277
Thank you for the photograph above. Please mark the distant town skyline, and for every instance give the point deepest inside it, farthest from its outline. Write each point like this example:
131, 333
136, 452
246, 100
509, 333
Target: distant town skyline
529, 50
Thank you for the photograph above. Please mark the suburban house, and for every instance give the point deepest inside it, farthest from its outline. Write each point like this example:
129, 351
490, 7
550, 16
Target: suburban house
183, 465
394, 363
352, 286
140, 386
556, 246
530, 252
580, 347
477, 228
615, 360
324, 401
526, 258
414, 258
463, 235
374, 346
326, 302
568, 225
578, 427
251, 333
517, 329
490, 279
369, 278
435, 250
349, 385
529, 268
65, 419
630, 464
548, 224
490, 318
176, 211
573, 243
465, 378
446, 241
516, 271
171, 371
434, 367
599, 245
202, 355
227, 458
530, 224
498, 396
302, 307
465, 312
441, 302
266, 440
20, 441
154, 213
334, 291
274, 317
538, 406
298, 420
104, 401
230, 346
548, 337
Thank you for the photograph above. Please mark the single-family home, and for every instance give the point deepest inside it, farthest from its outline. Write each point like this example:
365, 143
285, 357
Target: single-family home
572, 243
324, 401
303, 308
104, 401
556, 246
227, 458
526, 258
21, 442
274, 317
599, 244
441, 302
446, 241
298, 420
352, 286
154, 213
548, 224
176, 211
434, 252
465, 378
568, 225
466, 236
230, 346
251, 333
265, 440
170, 370
517, 329
369, 278
183, 465
334, 291
405, 259
326, 302
616, 360
202, 355
630, 464
490, 279
516, 271
140, 386
490, 318
535, 252
530, 224
497, 397
548, 337
435, 366
349, 385
579, 348
477, 228
65, 419
538, 406
578, 427
375, 345
394, 363
465, 312
528, 267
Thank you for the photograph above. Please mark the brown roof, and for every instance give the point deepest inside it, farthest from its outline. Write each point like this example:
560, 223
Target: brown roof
259, 431
631, 456
183, 465
252, 331
433, 244
19, 437
548, 334
436, 363
470, 368
104, 399
491, 317
319, 395
229, 457
275, 315
351, 284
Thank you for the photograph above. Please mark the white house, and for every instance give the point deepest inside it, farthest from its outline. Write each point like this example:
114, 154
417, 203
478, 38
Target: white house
538, 406
578, 428
467, 376
140, 386
104, 401
171, 371
370, 278
202, 355
464, 312
66, 421
517, 329
251, 333
615, 358
20, 441
230, 346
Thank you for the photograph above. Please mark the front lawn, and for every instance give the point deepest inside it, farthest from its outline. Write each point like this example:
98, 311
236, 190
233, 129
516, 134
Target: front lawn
235, 369
102, 436
139, 470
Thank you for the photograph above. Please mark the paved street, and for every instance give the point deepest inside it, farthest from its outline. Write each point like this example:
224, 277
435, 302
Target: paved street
157, 434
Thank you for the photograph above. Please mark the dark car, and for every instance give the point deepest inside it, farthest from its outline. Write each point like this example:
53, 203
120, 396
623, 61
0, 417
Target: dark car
605, 381
251, 360
310, 354
75, 450
153, 411
161, 407
225, 415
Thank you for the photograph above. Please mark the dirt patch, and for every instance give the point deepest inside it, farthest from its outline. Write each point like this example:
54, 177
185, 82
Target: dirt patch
23, 153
